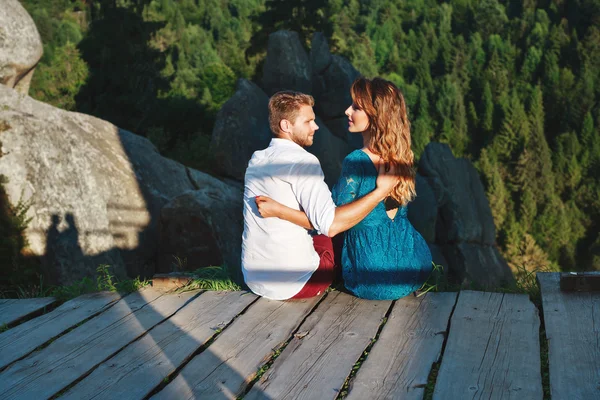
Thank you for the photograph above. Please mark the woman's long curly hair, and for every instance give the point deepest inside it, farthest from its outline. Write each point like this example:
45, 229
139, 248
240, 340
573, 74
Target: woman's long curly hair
389, 130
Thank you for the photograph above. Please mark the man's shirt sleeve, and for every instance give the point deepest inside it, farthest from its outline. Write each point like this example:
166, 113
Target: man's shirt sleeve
308, 184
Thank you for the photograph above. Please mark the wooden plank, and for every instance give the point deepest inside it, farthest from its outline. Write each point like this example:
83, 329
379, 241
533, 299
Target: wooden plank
12, 310
573, 333
493, 349
46, 372
23, 339
140, 367
580, 281
225, 368
318, 359
411, 341
170, 281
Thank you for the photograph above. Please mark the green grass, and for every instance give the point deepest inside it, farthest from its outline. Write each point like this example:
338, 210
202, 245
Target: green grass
105, 281
211, 278
435, 282
431, 380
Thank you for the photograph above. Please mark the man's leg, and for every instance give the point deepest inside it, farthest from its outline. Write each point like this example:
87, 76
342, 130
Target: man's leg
321, 279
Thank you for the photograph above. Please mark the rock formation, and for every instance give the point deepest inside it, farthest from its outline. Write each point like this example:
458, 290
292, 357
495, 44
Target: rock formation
20, 46
95, 191
463, 228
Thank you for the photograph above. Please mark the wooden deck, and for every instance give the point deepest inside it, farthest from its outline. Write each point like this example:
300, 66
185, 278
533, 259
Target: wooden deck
212, 345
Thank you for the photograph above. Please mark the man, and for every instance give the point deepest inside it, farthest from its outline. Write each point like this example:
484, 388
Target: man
281, 260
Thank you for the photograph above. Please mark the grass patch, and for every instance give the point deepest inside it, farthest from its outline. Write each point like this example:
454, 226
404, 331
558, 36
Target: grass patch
435, 282
105, 281
431, 380
211, 278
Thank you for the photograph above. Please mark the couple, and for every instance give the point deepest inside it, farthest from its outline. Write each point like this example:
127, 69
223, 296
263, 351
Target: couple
286, 199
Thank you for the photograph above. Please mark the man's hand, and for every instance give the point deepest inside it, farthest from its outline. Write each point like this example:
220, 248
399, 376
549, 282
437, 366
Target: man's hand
267, 207
387, 180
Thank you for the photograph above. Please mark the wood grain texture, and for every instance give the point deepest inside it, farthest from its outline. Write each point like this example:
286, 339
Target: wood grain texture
493, 349
46, 372
225, 368
140, 367
12, 310
572, 322
411, 341
317, 361
26, 337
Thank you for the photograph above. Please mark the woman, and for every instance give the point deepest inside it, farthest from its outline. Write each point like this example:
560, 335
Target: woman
383, 256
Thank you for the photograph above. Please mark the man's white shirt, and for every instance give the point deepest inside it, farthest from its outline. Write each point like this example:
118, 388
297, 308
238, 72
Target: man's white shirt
278, 257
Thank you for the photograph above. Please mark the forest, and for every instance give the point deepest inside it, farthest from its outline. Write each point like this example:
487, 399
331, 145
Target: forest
514, 86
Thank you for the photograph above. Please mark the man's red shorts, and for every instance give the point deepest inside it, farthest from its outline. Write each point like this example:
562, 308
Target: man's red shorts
322, 278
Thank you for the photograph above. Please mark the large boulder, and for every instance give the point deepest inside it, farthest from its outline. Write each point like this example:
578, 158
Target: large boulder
422, 211
320, 57
332, 79
94, 191
465, 214
20, 46
339, 127
331, 151
203, 228
332, 88
479, 264
464, 227
241, 128
287, 66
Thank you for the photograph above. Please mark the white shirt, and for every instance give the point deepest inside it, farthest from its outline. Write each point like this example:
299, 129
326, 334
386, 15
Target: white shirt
278, 257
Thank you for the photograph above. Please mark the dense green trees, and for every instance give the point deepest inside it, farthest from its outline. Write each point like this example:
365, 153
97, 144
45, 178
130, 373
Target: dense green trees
512, 85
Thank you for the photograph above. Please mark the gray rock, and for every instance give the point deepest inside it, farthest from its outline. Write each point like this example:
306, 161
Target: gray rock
320, 57
332, 88
422, 212
465, 214
204, 228
478, 264
438, 257
331, 151
241, 128
339, 127
95, 191
287, 66
20, 46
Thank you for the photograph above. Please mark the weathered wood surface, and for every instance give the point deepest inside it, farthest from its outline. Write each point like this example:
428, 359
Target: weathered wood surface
140, 367
493, 349
12, 310
26, 337
46, 372
573, 332
318, 359
225, 368
399, 363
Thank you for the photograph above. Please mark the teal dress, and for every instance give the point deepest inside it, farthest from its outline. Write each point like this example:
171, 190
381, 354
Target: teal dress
382, 258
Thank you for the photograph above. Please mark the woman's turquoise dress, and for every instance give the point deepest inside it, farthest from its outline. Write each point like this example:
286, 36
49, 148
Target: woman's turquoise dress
382, 258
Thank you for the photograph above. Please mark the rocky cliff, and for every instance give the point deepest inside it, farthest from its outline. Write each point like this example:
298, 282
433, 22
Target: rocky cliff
99, 194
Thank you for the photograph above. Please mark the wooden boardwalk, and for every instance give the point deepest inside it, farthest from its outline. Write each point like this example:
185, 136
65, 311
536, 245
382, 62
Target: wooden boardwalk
213, 345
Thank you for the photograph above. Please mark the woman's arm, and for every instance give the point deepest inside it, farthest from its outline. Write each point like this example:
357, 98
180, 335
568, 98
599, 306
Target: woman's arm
267, 207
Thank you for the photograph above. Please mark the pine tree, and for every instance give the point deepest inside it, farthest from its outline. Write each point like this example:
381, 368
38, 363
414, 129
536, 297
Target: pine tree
540, 178
487, 112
